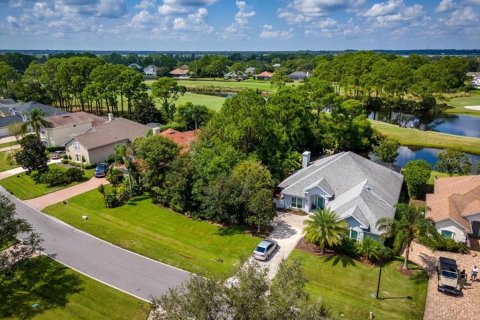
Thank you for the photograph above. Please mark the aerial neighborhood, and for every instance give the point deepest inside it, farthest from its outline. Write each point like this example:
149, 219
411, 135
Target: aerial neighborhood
187, 180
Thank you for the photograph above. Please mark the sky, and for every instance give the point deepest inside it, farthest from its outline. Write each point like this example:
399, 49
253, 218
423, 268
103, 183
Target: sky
239, 25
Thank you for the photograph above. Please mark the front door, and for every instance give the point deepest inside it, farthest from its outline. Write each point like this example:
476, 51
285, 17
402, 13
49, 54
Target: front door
320, 203
476, 228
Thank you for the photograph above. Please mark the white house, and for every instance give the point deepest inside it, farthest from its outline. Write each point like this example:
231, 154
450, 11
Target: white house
455, 207
66, 126
358, 190
150, 70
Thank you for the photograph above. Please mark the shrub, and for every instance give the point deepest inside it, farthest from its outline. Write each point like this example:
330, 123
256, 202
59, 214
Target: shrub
110, 198
55, 177
437, 242
64, 161
74, 174
347, 247
369, 248
115, 176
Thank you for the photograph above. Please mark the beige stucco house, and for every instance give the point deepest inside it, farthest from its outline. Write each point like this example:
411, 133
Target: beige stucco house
64, 127
455, 207
99, 142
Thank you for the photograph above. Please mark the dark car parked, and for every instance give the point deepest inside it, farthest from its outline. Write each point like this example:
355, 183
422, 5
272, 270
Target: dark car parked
101, 170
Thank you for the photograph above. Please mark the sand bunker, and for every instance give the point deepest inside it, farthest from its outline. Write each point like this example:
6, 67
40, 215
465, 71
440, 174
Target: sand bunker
477, 108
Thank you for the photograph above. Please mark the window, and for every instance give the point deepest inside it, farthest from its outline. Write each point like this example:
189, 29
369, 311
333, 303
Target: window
353, 234
78, 158
447, 234
297, 203
76, 145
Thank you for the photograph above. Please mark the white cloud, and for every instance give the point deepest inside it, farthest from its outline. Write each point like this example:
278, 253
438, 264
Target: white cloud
242, 17
388, 14
143, 20
111, 8
194, 22
146, 4
172, 7
463, 17
13, 22
268, 33
445, 5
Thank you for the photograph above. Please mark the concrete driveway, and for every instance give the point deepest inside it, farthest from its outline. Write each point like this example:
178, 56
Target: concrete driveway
64, 194
127, 271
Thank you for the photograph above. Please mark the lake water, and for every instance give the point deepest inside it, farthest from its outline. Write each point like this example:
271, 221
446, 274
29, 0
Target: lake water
406, 154
462, 125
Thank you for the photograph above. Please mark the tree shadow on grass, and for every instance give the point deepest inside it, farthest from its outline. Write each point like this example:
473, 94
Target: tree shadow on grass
35, 287
335, 259
230, 230
135, 200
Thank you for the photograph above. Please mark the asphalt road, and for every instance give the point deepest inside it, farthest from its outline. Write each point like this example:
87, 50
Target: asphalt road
132, 273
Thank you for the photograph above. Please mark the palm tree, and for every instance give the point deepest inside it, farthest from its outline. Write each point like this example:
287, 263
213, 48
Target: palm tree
369, 248
409, 224
324, 228
36, 121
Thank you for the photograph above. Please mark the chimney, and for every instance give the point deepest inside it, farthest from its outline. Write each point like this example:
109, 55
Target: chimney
305, 159
110, 117
155, 131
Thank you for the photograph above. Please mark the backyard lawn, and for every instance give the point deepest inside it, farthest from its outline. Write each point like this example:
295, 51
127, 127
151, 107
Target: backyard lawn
427, 139
159, 233
345, 286
459, 104
24, 187
212, 102
62, 293
4, 165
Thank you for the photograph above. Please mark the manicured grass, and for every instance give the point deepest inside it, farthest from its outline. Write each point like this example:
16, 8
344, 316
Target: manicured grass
8, 144
459, 104
4, 165
24, 187
62, 293
427, 139
159, 233
345, 286
212, 102
222, 83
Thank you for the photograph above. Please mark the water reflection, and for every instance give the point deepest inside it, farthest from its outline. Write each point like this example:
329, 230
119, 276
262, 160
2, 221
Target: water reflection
462, 125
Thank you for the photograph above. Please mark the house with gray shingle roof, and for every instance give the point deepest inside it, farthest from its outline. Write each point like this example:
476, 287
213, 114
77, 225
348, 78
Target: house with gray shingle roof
98, 143
358, 190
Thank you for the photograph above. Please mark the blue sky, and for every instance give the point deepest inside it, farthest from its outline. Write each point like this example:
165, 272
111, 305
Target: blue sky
239, 25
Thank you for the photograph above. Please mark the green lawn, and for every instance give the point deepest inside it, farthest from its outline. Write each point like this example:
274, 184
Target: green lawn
4, 165
427, 139
159, 233
62, 293
345, 285
24, 187
212, 102
459, 104
222, 83
8, 144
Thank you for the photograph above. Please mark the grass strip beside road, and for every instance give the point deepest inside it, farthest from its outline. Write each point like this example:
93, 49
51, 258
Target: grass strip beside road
159, 233
24, 187
345, 285
44, 289
427, 139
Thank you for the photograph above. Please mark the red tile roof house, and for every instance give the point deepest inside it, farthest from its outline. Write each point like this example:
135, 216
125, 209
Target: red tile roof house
181, 72
182, 139
455, 207
265, 75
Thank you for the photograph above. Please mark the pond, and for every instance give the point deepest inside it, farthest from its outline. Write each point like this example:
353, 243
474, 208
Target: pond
406, 154
462, 125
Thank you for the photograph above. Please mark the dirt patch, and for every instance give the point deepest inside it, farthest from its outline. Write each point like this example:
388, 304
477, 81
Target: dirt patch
408, 272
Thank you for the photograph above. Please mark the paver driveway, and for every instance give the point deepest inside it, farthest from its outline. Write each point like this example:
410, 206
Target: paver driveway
64, 194
130, 272
440, 306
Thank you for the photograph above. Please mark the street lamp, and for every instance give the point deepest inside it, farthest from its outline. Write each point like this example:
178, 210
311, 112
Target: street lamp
380, 272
